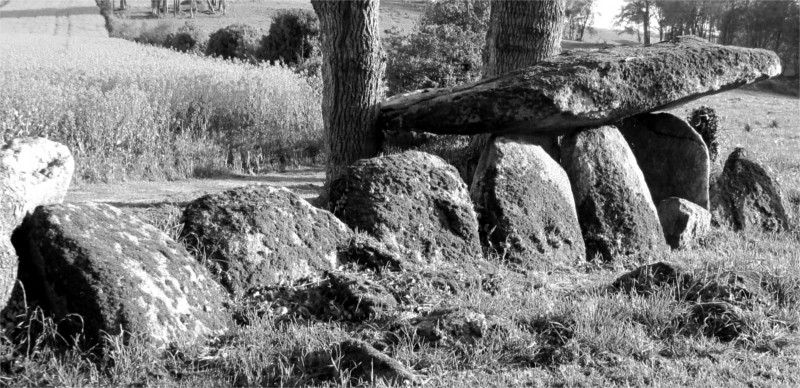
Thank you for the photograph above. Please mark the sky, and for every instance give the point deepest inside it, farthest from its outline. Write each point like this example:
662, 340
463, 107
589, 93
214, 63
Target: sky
606, 10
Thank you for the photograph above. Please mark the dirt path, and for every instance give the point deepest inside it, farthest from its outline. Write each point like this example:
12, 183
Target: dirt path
306, 182
62, 18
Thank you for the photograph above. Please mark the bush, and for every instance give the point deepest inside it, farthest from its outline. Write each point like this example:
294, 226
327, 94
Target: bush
235, 41
158, 35
445, 49
706, 122
189, 38
293, 37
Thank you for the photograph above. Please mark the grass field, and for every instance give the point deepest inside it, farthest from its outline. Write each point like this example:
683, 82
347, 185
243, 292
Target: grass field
129, 111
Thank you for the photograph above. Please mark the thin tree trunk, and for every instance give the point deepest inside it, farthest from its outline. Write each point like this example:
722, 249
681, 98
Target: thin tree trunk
352, 68
646, 22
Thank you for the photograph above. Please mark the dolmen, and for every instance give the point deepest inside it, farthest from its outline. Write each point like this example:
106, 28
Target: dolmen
618, 159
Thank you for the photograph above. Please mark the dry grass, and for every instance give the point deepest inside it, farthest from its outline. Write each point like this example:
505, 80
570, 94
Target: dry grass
129, 111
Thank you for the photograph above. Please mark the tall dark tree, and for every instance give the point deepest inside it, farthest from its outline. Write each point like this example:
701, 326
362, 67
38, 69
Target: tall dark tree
638, 13
352, 68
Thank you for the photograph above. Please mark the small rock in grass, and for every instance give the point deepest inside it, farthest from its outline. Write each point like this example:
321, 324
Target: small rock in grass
363, 298
368, 364
683, 222
455, 325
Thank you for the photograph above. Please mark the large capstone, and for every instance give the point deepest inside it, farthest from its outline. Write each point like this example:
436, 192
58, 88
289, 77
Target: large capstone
105, 272
747, 196
525, 206
258, 236
671, 154
33, 172
582, 88
413, 202
615, 209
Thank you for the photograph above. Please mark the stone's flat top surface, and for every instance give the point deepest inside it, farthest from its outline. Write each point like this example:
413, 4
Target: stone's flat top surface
582, 88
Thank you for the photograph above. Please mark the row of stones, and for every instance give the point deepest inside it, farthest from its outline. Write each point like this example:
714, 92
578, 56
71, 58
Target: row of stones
120, 273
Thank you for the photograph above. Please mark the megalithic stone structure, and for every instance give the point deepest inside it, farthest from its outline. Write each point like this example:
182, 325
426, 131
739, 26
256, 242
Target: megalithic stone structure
580, 89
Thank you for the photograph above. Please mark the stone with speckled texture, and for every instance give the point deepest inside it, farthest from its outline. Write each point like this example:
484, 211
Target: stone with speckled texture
258, 236
33, 172
616, 212
525, 206
119, 274
581, 88
411, 201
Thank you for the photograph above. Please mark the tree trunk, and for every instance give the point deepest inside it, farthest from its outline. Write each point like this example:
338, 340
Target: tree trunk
521, 33
352, 68
646, 22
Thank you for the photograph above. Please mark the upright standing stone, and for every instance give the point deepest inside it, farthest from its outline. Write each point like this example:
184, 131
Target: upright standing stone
671, 155
525, 204
615, 209
33, 172
747, 196
412, 201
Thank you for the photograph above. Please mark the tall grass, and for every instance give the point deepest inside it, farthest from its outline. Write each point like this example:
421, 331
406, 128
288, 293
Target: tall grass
129, 111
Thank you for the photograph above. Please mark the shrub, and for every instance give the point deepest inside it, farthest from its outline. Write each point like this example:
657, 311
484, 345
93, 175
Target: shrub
189, 38
158, 35
235, 41
706, 122
293, 37
444, 50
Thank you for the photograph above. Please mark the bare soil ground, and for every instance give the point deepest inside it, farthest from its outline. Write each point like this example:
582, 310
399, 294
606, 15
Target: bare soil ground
305, 181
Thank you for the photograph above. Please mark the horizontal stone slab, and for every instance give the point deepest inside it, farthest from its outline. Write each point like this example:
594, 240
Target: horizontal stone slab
582, 89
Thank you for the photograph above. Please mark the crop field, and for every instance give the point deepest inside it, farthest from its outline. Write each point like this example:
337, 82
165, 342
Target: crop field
131, 112
399, 14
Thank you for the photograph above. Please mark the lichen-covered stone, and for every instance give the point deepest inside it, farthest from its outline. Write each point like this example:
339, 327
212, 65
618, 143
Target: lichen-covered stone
525, 206
671, 154
683, 222
582, 88
747, 196
413, 202
118, 274
615, 209
33, 172
257, 236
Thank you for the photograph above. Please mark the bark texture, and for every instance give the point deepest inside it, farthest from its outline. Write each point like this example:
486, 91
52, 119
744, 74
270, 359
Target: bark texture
352, 68
582, 89
522, 33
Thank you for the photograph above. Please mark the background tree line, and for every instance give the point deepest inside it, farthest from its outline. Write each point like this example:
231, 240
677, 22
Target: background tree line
769, 24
